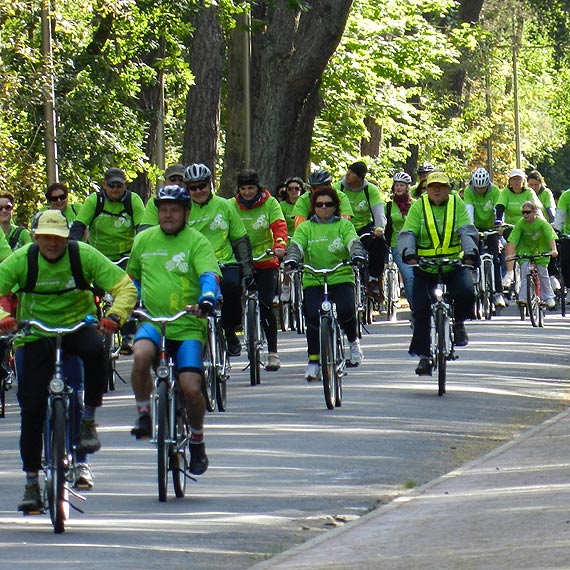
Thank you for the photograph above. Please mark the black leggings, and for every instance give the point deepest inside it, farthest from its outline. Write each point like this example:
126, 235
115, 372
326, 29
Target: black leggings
266, 281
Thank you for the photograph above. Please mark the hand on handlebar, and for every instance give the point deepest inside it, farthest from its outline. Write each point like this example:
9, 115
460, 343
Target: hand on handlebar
8, 325
109, 324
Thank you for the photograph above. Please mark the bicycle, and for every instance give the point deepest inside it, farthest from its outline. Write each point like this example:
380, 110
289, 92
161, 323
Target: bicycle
7, 372
59, 438
332, 354
112, 342
535, 307
562, 292
391, 288
170, 425
254, 336
442, 345
485, 280
216, 364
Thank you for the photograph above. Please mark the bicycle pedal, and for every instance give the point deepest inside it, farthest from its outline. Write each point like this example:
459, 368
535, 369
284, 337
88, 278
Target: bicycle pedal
33, 513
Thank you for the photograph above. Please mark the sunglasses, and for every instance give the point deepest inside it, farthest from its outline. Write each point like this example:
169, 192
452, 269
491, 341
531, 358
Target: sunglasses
116, 185
8, 208
324, 204
293, 188
58, 198
175, 178
527, 212
198, 187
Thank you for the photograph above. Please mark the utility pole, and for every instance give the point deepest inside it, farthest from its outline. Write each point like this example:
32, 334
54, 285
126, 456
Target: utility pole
247, 89
517, 30
49, 95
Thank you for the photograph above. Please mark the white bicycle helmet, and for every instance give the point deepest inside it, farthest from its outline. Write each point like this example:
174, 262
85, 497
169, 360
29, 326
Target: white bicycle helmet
480, 178
402, 177
197, 172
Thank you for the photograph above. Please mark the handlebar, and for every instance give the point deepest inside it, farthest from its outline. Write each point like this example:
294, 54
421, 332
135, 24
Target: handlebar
164, 320
440, 262
326, 271
267, 252
529, 256
88, 322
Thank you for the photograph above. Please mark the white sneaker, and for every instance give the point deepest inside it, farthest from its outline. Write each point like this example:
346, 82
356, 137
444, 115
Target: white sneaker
508, 279
273, 362
83, 477
356, 355
285, 293
312, 373
550, 303
499, 301
555, 283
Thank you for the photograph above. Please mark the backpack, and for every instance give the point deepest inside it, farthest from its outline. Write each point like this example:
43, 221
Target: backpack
100, 206
15, 236
76, 271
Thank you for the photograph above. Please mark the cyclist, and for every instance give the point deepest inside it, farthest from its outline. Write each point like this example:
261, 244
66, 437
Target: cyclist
318, 179
423, 172
17, 236
530, 236
57, 197
562, 225
174, 266
56, 298
396, 212
368, 218
508, 206
216, 218
323, 241
481, 197
263, 220
438, 225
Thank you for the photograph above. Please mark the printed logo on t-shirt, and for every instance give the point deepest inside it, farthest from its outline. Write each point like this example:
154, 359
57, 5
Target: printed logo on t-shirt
336, 246
178, 262
218, 223
261, 223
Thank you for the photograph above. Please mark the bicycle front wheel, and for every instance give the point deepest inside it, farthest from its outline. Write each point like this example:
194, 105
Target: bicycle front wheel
209, 378
487, 290
532, 300
162, 440
339, 367
222, 369
179, 460
253, 352
441, 323
328, 364
55, 482
392, 294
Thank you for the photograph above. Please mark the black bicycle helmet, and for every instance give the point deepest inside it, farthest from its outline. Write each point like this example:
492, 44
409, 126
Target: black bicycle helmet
173, 193
425, 167
319, 177
197, 172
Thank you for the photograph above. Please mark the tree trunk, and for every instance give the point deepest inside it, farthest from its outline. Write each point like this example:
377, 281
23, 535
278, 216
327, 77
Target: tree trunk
203, 103
289, 54
371, 147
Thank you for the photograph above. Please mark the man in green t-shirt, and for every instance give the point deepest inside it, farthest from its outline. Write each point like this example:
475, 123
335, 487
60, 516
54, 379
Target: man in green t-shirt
175, 266
56, 299
368, 219
438, 225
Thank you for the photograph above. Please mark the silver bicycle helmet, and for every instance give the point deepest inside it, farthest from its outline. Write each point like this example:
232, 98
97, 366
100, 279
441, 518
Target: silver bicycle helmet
173, 193
320, 177
426, 167
402, 177
197, 172
480, 178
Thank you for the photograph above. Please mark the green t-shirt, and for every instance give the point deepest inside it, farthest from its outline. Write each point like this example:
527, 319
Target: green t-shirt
22, 236
218, 220
564, 206
323, 246
513, 202
257, 222
150, 216
169, 268
287, 209
397, 221
64, 308
111, 232
483, 206
303, 205
533, 238
361, 207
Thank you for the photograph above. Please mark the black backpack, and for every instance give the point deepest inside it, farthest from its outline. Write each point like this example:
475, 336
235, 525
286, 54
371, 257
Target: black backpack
76, 271
100, 206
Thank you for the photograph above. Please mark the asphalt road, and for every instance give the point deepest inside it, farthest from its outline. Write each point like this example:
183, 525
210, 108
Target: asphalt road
283, 468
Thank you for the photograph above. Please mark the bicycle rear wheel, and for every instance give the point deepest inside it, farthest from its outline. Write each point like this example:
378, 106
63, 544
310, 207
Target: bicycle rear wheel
532, 300
209, 378
57, 494
487, 291
162, 440
297, 303
179, 459
441, 356
339, 367
392, 294
2, 398
328, 364
253, 351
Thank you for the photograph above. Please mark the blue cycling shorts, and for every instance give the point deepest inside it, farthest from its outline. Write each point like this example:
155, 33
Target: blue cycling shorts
187, 354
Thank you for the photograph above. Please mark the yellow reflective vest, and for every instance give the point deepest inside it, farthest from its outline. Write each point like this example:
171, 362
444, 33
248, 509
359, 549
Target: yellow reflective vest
442, 242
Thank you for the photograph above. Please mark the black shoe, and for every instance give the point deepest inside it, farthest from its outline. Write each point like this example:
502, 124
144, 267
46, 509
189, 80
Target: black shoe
143, 427
88, 438
32, 500
234, 345
198, 458
460, 337
424, 367
126, 345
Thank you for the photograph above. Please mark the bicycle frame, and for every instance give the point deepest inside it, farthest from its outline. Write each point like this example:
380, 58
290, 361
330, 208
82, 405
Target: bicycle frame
485, 285
391, 288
